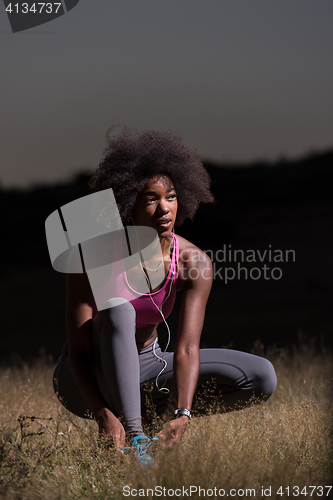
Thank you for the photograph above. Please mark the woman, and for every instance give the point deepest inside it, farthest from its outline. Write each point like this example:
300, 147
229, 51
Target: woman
113, 353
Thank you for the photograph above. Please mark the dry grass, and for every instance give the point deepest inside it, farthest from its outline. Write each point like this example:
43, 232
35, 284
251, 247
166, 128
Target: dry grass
46, 453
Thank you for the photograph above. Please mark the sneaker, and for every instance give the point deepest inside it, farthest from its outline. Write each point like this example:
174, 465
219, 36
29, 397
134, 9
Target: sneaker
139, 445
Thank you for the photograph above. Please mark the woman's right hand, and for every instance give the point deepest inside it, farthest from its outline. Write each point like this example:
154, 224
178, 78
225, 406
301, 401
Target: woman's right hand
110, 427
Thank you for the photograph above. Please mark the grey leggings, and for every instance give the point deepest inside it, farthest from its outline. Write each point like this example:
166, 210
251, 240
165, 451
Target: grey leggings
123, 373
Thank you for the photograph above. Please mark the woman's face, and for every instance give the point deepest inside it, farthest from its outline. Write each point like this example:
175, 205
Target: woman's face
157, 205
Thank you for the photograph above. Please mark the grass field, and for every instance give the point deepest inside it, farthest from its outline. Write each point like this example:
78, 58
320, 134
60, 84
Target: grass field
259, 452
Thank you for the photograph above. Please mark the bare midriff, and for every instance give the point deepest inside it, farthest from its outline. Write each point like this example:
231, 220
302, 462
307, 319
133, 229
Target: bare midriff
145, 336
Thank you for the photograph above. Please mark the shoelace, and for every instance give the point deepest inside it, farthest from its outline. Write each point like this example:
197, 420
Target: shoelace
139, 445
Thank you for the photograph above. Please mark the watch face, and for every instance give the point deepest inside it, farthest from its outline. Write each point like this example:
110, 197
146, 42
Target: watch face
183, 411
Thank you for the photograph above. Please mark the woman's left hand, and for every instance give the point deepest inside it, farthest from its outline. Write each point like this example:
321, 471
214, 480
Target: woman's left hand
172, 432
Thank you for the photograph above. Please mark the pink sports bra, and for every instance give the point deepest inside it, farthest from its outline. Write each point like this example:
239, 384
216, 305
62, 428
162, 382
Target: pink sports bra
147, 314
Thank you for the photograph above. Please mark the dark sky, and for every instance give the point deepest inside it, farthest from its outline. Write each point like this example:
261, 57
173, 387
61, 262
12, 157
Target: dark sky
239, 79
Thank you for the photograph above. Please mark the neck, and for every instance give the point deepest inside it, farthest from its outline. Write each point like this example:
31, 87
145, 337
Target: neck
166, 243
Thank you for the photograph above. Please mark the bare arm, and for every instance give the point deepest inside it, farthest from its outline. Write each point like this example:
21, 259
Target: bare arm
79, 323
191, 320
186, 357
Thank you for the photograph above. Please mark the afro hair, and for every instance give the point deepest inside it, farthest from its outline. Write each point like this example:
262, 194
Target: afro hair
133, 157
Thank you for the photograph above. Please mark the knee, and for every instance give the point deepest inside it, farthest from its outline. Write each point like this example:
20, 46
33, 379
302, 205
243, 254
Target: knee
116, 308
265, 378
116, 302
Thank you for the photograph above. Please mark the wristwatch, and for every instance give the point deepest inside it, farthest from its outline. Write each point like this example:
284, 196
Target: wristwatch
182, 411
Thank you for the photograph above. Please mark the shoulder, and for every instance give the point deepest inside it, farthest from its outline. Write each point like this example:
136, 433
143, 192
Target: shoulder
194, 264
189, 253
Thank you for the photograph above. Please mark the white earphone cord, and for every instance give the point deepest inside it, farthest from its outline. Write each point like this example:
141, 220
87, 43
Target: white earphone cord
162, 389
